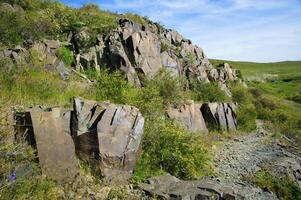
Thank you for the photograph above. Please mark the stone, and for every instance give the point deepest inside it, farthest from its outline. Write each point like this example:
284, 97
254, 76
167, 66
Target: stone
171, 63
56, 150
119, 134
112, 132
220, 115
52, 44
169, 187
190, 116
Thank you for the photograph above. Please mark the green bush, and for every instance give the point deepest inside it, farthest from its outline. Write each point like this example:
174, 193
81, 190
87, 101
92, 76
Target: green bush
10, 35
240, 94
246, 116
115, 88
31, 84
171, 88
136, 18
283, 187
65, 55
167, 147
30, 188
207, 92
296, 98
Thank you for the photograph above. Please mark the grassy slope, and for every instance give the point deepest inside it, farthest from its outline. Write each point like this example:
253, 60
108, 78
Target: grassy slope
286, 68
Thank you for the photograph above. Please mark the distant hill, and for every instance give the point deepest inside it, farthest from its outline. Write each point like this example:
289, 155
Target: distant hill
250, 69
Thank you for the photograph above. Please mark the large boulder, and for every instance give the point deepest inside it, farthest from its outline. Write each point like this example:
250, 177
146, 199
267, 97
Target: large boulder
113, 132
189, 115
105, 133
169, 187
119, 135
220, 115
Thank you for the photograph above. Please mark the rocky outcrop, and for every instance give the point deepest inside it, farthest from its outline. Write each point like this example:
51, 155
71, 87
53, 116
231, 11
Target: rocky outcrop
190, 116
198, 117
145, 49
220, 115
118, 130
46, 52
107, 133
169, 187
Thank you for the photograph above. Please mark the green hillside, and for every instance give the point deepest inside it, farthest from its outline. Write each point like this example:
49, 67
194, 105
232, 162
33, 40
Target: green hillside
251, 69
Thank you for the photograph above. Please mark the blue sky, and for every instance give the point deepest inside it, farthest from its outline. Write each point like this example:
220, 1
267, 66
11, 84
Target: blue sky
250, 30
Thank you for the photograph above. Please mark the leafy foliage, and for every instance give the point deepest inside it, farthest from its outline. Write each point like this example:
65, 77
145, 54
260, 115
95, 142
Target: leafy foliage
207, 92
32, 84
65, 55
167, 147
246, 113
283, 187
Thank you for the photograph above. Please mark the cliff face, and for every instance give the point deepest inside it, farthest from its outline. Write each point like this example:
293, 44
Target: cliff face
145, 49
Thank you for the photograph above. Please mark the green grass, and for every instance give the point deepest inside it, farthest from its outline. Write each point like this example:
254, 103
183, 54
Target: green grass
283, 187
251, 69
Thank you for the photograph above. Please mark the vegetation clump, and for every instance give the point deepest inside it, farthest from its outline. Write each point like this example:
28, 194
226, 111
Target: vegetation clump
283, 187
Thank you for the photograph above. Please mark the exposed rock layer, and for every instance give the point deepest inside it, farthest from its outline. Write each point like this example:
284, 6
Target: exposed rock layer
106, 132
201, 117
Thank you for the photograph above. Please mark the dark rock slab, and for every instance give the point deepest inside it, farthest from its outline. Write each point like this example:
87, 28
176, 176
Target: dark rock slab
113, 132
220, 115
56, 150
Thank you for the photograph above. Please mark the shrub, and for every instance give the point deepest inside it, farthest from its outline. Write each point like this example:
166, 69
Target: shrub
170, 87
240, 94
114, 87
65, 55
268, 103
246, 116
296, 98
30, 188
207, 92
283, 187
167, 147
10, 35
136, 18
256, 92
164, 47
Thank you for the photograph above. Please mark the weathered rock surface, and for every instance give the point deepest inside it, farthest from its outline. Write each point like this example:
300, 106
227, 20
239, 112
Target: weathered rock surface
190, 116
108, 133
169, 187
46, 51
220, 115
145, 49
118, 130
55, 146
56, 150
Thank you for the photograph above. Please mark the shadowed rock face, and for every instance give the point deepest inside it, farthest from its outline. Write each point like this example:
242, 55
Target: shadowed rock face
201, 117
105, 132
220, 115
